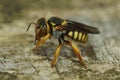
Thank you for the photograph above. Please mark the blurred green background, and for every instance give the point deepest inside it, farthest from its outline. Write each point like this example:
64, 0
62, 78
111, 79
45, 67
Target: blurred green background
10, 10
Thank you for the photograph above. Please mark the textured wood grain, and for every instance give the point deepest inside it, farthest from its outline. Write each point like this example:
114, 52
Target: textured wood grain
101, 54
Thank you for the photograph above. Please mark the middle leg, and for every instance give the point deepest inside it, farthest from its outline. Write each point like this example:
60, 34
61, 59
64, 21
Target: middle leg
56, 54
77, 52
75, 49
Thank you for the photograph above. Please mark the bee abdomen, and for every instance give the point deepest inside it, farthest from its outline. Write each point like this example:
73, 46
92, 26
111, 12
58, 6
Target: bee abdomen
78, 36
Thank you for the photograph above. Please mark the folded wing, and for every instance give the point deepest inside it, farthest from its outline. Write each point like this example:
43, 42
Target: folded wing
75, 26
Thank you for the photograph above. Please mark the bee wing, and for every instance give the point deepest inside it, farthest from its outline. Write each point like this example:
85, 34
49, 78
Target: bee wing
75, 26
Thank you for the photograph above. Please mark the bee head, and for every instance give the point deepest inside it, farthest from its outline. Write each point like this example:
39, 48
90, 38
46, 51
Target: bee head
41, 28
41, 22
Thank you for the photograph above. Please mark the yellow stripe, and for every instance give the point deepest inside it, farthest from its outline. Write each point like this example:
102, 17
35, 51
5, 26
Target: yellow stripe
75, 35
80, 35
83, 37
70, 34
86, 38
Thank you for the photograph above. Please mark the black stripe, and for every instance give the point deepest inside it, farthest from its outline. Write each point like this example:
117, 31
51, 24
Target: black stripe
77, 36
73, 35
84, 37
45, 28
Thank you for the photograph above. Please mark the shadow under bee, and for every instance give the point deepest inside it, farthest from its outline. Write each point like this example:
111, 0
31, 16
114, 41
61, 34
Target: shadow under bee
66, 52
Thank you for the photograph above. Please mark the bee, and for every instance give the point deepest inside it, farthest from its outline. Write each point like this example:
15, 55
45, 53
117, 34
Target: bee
44, 29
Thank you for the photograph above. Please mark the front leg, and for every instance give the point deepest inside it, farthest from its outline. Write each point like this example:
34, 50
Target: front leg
39, 42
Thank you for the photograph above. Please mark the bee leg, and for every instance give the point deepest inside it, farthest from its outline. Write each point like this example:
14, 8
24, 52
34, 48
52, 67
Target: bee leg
39, 42
57, 51
75, 49
77, 52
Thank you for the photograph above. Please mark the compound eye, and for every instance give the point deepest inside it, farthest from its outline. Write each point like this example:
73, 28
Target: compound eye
38, 26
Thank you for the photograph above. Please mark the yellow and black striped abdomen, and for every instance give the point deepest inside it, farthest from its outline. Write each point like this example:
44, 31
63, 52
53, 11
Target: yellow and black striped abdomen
78, 36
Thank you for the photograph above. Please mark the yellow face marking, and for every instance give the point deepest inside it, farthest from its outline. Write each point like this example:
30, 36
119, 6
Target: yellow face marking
80, 35
70, 34
75, 35
48, 28
53, 24
64, 23
38, 30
